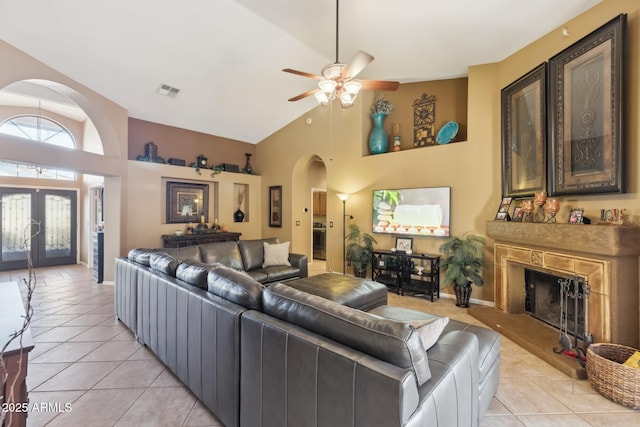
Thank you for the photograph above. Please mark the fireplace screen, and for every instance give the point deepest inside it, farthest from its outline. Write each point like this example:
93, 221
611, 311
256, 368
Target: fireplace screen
543, 301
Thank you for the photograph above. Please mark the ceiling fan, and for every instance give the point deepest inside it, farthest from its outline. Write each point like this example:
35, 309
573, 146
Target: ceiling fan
337, 79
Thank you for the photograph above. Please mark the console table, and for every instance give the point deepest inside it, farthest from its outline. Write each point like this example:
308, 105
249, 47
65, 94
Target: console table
415, 273
16, 355
173, 241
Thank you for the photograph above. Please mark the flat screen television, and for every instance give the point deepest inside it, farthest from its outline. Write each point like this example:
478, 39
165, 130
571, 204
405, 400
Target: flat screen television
412, 211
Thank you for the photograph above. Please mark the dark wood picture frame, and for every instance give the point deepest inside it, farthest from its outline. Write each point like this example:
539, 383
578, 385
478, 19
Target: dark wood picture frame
186, 202
503, 210
275, 206
524, 134
518, 214
404, 244
576, 216
587, 113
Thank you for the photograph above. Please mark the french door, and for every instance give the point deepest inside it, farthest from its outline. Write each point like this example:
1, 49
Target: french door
39, 223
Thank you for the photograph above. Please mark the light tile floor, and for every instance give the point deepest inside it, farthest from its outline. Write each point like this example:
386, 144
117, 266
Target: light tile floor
85, 359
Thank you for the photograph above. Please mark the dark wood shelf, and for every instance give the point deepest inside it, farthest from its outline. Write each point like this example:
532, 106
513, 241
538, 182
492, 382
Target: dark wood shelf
398, 271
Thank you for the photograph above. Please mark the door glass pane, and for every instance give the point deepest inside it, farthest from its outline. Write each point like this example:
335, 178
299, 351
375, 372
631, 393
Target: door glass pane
57, 226
16, 220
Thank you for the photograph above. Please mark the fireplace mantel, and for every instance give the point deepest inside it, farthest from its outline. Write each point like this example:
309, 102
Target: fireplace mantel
604, 255
608, 240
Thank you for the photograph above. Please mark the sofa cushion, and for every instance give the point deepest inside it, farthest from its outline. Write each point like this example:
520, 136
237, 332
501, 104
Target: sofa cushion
186, 252
164, 263
429, 326
194, 272
226, 253
141, 255
252, 252
235, 286
394, 342
276, 254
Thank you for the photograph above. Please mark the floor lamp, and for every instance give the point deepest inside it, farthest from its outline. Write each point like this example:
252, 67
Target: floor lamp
344, 197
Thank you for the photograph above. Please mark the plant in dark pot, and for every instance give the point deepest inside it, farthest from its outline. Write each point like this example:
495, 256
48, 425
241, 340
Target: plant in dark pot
462, 263
359, 250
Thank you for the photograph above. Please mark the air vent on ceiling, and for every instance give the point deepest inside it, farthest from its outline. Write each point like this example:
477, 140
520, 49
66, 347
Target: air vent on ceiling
167, 90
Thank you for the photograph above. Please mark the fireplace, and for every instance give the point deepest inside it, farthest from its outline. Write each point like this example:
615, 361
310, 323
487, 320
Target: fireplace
556, 301
603, 256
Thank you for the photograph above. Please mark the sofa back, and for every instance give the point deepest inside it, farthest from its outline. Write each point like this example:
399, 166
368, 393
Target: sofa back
394, 342
252, 252
225, 253
196, 334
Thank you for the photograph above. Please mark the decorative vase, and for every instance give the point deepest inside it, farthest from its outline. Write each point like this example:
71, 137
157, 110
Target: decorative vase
463, 294
247, 166
238, 216
378, 140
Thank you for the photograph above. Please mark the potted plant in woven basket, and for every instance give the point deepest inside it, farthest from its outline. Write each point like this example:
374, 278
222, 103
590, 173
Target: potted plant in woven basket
462, 264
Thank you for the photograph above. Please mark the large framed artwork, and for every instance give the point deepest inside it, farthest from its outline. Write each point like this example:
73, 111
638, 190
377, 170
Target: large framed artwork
524, 134
187, 202
587, 112
275, 206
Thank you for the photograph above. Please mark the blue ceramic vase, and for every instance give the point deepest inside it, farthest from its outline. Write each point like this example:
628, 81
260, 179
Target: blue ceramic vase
378, 140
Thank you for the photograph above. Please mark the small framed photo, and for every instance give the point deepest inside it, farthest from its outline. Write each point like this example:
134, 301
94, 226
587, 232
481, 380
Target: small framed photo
382, 262
518, 214
575, 216
502, 216
503, 209
404, 243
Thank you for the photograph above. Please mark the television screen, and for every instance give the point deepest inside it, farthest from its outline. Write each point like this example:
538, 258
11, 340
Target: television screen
412, 211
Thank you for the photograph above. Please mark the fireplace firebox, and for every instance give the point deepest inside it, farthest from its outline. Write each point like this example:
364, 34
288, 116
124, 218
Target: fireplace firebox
544, 301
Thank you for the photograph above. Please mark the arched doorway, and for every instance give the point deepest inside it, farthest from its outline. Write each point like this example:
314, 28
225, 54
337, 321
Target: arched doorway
50, 199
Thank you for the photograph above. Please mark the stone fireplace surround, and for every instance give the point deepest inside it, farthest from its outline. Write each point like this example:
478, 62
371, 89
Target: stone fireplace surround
605, 255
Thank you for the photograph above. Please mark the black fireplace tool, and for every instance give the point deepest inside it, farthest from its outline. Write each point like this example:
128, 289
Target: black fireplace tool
570, 289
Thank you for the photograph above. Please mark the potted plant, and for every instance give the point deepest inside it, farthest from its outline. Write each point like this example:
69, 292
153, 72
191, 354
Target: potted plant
462, 264
359, 250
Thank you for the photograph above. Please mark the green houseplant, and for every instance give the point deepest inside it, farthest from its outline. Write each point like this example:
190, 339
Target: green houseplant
462, 264
359, 250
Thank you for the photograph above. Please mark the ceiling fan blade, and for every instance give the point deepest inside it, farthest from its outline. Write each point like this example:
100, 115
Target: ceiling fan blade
304, 95
358, 63
302, 73
379, 84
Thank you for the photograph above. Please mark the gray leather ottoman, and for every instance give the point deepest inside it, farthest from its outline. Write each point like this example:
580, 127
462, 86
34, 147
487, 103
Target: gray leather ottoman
350, 291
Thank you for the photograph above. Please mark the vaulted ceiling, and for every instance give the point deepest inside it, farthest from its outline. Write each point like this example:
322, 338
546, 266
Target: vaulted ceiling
226, 56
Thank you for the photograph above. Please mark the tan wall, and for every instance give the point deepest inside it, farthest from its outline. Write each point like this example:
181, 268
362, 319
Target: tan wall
109, 119
146, 202
185, 144
472, 168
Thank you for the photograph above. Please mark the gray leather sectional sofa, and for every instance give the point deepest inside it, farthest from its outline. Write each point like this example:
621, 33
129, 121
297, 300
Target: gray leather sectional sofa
275, 355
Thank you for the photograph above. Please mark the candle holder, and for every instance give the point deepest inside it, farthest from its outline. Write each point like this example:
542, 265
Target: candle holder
552, 208
540, 200
527, 209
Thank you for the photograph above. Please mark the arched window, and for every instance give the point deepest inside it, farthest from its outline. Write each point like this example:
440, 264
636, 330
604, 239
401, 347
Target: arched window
37, 128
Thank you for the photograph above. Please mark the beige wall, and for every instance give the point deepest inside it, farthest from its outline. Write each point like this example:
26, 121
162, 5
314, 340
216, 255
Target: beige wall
109, 119
147, 203
472, 168
185, 144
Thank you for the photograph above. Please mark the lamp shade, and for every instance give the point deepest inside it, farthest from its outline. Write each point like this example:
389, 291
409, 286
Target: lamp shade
342, 196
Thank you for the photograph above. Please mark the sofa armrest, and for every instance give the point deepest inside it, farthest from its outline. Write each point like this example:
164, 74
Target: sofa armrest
300, 261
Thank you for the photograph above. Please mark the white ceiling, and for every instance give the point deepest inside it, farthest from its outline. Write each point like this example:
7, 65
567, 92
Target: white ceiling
226, 56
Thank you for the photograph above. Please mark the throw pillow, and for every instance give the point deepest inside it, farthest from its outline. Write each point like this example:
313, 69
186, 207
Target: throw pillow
276, 254
429, 330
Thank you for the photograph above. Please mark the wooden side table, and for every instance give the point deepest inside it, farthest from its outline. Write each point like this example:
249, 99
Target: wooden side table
173, 241
16, 355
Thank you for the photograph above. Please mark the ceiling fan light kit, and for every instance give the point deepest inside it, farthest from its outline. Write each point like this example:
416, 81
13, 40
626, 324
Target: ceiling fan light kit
337, 79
